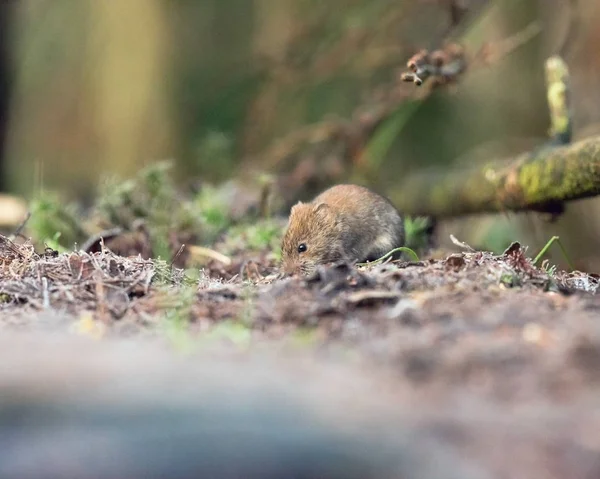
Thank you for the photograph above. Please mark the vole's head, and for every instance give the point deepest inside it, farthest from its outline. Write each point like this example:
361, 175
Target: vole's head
312, 238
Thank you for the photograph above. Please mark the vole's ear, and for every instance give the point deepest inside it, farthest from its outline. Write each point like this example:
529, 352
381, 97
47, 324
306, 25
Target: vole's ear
322, 209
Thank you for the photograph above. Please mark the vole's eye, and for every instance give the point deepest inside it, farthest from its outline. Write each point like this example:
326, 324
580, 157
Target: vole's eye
301, 247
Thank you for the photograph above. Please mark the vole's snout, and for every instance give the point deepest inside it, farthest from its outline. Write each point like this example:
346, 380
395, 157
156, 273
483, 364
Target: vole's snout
297, 268
289, 268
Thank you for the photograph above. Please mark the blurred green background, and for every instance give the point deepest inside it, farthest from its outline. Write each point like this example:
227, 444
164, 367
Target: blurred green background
94, 87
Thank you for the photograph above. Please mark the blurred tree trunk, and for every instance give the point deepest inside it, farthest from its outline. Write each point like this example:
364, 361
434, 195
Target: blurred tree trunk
89, 92
126, 62
6, 11
274, 27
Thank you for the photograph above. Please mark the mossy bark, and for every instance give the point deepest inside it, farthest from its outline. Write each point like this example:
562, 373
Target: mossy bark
538, 181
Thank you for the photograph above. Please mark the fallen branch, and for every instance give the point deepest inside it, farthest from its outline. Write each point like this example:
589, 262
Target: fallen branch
539, 181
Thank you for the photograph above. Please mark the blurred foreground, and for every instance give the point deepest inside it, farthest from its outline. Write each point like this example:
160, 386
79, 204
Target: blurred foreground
73, 407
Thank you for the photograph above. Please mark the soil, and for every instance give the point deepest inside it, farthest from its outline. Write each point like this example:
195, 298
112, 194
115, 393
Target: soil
487, 353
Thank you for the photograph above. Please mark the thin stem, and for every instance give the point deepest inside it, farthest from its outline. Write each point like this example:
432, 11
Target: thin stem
547, 247
410, 252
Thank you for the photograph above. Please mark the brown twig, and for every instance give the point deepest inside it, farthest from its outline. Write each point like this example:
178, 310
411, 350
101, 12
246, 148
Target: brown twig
442, 66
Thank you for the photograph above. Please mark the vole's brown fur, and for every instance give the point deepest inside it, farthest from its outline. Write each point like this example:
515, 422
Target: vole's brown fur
344, 223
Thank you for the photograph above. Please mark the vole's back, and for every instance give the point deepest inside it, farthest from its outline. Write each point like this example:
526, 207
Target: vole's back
371, 225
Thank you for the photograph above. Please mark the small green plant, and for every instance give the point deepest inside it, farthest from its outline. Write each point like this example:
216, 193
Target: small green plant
544, 250
415, 230
152, 198
54, 243
550, 269
148, 195
54, 223
404, 249
166, 275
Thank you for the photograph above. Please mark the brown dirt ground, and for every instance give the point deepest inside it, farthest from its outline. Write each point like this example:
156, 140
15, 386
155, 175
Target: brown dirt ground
483, 351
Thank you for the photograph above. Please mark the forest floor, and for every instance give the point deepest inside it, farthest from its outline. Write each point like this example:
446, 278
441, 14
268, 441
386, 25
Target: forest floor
496, 320
507, 353
519, 344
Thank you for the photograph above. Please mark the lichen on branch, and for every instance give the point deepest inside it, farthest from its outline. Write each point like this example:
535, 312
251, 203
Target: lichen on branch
537, 181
